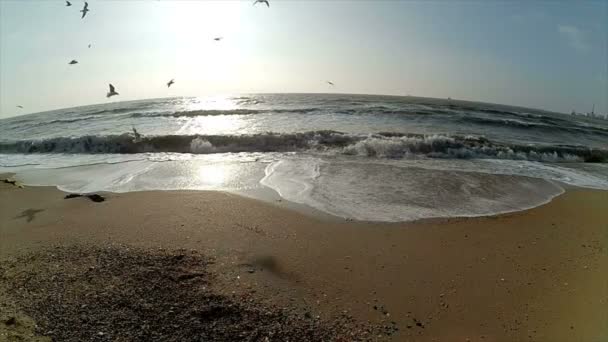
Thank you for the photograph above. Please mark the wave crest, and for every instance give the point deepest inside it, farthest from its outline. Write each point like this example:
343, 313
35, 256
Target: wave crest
379, 145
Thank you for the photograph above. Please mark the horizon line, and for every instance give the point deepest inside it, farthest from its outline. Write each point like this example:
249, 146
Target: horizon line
290, 93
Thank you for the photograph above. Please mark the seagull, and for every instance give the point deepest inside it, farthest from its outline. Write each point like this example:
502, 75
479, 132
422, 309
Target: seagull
73, 61
89, 46
262, 2
170, 83
19, 106
68, 4
330, 83
85, 9
112, 92
136, 134
217, 39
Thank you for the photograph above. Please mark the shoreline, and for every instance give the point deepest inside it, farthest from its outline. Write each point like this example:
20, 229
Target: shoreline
270, 196
527, 275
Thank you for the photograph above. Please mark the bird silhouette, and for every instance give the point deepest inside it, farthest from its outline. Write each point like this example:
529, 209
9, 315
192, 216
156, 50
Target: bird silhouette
112, 91
73, 61
261, 2
217, 39
85, 9
68, 4
136, 134
170, 83
330, 83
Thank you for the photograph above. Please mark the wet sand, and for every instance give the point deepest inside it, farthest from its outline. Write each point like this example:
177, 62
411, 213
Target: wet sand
535, 275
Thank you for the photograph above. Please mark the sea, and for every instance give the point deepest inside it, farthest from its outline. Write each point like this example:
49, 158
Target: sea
360, 157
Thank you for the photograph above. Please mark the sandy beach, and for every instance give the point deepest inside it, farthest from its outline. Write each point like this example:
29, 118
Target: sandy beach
535, 275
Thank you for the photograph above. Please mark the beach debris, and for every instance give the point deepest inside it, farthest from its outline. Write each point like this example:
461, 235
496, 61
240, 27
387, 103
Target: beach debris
261, 2
12, 182
112, 91
85, 9
93, 197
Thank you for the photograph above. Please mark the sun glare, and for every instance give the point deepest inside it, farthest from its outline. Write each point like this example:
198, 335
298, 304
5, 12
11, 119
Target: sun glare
213, 175
196, 24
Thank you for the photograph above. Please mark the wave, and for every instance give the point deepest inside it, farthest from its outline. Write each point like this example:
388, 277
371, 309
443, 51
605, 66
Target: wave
215, 112
549, 125
378, 145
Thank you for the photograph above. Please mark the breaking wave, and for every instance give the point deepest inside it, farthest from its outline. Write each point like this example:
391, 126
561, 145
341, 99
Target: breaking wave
378, 145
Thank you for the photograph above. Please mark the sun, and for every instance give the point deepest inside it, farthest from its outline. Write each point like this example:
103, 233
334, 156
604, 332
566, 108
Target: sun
195, 24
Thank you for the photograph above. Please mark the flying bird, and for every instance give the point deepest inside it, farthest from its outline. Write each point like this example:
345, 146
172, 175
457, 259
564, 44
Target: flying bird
73, 61
330, 83
217, 39
112, 91
68, 4
85, 9
136, 134
262, 2
20, 106
170, 83
89, 46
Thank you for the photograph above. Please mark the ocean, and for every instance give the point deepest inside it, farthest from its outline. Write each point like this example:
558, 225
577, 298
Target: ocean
363, 157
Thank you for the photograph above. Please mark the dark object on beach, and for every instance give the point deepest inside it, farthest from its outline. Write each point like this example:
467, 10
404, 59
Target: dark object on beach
96, 198
418, 323
93, 197
8, 181
12, 182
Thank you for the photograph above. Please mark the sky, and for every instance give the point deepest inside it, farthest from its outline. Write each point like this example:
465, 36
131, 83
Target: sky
551, 55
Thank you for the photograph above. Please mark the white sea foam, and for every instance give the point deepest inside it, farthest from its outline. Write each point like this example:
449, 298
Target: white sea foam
376, 192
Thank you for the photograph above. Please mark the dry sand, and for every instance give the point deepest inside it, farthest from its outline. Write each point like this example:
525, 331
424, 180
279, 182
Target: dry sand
535, 275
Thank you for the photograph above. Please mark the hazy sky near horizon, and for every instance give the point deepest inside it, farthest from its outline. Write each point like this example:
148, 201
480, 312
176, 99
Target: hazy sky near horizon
549, 55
